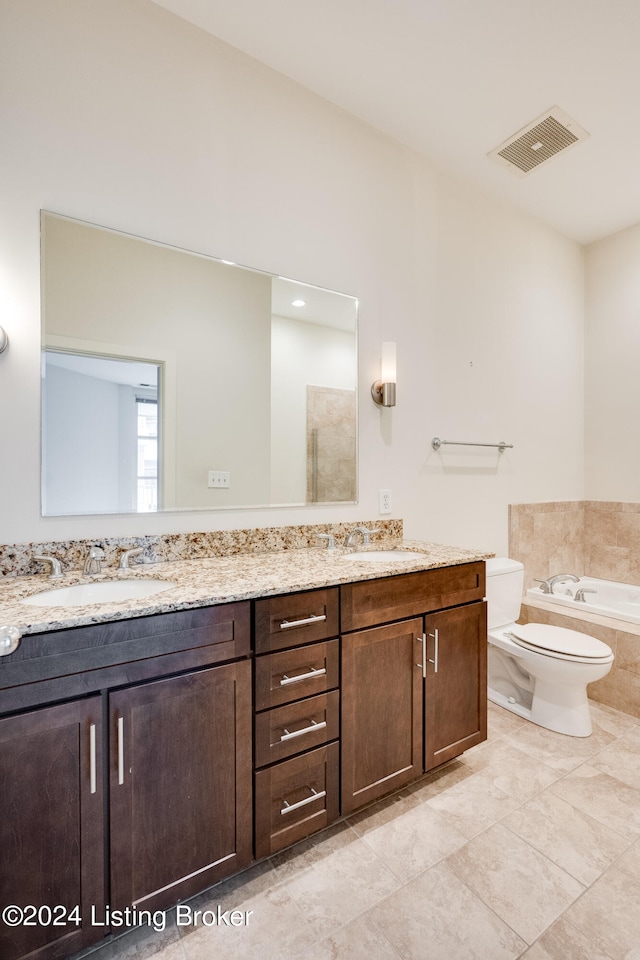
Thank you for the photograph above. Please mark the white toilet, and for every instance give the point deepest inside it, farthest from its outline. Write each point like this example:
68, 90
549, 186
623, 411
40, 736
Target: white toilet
538, 671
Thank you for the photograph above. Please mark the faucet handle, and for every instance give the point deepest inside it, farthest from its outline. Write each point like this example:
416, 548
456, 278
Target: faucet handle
580, 592
544, 584
329, 537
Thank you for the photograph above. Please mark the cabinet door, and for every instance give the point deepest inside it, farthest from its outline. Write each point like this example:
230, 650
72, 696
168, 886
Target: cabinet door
51, 829
180, 772
456, 682
381, 711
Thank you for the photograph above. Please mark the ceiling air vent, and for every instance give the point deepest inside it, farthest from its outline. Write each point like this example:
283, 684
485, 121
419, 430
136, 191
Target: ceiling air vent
540, 140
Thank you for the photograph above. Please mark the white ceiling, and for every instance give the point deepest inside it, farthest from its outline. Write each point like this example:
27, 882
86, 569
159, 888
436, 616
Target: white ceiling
455, 78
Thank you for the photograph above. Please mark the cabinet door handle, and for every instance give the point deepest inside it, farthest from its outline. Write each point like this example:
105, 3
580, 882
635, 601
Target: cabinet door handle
435, 650
423, 665
288, 624
120, 750
92, 758
313, 672
314, 725
289, 807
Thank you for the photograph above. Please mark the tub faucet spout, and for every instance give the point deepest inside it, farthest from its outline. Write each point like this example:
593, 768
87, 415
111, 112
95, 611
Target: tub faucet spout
561, 578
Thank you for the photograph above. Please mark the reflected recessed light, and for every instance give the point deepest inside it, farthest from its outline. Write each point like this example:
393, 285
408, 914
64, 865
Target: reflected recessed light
298, 303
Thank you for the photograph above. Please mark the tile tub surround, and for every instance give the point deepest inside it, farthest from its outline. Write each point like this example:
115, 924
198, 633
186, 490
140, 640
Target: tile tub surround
214, 580
16, 559
590, 538
526, 847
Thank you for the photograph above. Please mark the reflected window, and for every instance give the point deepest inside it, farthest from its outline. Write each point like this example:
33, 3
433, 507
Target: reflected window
147, 480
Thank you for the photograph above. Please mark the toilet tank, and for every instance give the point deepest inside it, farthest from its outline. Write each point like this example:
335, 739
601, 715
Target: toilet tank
505, 582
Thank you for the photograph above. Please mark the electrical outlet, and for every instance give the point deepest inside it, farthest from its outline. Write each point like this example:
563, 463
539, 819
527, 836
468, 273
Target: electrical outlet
384, 501
219, 478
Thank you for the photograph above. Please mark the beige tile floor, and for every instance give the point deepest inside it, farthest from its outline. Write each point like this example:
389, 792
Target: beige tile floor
527, 846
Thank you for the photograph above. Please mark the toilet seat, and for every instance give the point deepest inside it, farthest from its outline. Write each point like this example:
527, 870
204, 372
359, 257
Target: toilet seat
560, 642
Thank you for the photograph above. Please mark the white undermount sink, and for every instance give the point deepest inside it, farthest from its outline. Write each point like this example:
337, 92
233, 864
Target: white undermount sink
103, 591
384, 556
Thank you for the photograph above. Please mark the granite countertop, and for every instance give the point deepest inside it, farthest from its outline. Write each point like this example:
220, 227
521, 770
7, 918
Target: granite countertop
206, 582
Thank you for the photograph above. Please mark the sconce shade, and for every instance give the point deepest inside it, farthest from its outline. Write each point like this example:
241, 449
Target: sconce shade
388, 362
383, 390
4, 340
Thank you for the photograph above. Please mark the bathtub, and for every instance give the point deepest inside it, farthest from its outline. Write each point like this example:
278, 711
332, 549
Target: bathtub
620, 601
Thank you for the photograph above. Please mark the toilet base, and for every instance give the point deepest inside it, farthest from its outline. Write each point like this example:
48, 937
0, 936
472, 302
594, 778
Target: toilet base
563, 708
509, 703
573, 722
571, 716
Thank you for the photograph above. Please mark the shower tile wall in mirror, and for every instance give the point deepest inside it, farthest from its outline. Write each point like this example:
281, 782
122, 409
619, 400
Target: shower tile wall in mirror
176, 381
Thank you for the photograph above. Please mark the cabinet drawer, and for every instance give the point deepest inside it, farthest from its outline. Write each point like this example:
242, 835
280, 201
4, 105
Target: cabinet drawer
288, 621
370, 602
295, 798
46, 666
293, 674
285, 731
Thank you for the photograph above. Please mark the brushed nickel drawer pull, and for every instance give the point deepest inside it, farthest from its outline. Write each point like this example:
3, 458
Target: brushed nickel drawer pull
120, 750
298, 733
288, 624
313, 672
92, 757
289, 807
435, 651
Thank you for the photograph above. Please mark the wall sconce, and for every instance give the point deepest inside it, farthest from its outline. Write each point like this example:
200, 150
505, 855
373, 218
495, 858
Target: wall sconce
4, 340
383, 390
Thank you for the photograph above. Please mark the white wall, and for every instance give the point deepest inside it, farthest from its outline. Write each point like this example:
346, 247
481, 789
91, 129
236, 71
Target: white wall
74, 404
118, 113
612, 369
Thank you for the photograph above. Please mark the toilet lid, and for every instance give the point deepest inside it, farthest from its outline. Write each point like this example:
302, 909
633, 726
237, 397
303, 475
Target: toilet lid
559, 640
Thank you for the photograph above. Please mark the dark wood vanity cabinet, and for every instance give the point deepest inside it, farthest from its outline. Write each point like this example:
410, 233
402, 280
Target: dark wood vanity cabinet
297, 717
167, 725
413, 690
144, 760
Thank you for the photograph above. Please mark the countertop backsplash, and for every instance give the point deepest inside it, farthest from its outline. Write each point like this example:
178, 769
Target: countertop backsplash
16, 559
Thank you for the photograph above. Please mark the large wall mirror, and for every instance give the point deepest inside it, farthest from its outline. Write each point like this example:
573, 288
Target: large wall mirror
174, 381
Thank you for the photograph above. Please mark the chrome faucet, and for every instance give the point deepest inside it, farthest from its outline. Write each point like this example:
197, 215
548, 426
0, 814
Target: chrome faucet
350, 540
561, 578
93, 563
546, 586
56, 566
127, 555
